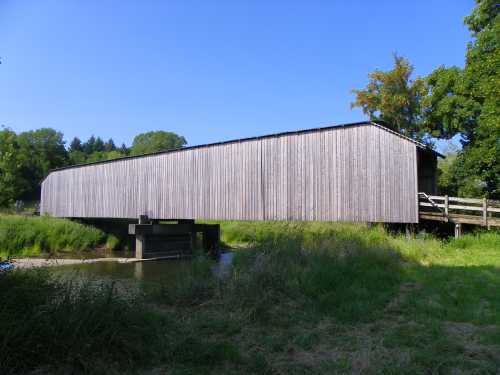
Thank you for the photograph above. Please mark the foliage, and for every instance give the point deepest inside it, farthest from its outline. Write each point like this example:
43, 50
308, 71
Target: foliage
393, 98
103, 155
468, 102
37, 235
93, 150
446, 113
12, 181
156, 141
76, 145
447, 182
450, 101
27, 158
43, 150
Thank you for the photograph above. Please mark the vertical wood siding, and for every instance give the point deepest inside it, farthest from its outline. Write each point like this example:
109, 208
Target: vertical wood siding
358, 173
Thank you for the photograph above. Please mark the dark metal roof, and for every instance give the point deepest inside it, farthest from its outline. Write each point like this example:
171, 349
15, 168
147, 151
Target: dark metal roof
303, 131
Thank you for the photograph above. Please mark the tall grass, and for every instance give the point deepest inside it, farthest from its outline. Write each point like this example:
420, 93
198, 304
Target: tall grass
25, 236
74, 326
346, 271
351, 271
319, 287
328, 294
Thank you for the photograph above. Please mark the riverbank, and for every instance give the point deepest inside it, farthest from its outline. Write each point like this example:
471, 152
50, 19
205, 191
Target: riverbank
304, 298
26, 236
28, 263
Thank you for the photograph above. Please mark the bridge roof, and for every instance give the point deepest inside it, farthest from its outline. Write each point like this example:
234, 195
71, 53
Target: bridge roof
274, 135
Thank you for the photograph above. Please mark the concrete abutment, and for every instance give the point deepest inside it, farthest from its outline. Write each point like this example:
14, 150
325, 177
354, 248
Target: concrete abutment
172, 238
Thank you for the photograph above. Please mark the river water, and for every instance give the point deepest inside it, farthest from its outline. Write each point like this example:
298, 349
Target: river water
149, 270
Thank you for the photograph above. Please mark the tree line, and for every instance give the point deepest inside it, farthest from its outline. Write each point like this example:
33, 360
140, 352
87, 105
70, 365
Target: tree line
448, 102
26, 158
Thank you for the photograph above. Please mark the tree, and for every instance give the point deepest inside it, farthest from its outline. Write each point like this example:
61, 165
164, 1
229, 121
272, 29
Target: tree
75, 145
43, 150
467, 102
103, 155
89, 146
115, 154
46, 147
446, 113
99, 145
12, 182
156, 141
124, 150
393, 98
77, 157
109, 145
447, 181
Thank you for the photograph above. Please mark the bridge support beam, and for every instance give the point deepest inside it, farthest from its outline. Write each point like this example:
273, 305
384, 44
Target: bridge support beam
172, 240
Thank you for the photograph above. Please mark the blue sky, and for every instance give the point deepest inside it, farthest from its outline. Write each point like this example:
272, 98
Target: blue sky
209, 70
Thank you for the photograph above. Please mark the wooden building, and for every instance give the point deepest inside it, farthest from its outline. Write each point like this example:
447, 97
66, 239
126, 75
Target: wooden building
354, 172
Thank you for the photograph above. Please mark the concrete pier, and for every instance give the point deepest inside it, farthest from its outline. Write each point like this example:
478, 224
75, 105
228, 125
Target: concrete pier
155, 238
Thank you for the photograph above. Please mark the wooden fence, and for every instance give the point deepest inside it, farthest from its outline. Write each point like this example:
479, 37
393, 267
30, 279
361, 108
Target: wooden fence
484, 212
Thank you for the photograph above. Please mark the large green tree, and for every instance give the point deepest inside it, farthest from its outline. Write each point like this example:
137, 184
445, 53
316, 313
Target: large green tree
394, 98
156, 141
42, 149
448, 102
467, 102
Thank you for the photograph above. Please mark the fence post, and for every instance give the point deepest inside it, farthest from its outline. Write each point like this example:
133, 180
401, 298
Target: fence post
446, 204
458, 230
485, 212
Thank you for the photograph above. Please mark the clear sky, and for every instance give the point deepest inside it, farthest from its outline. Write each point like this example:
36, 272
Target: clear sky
209, 70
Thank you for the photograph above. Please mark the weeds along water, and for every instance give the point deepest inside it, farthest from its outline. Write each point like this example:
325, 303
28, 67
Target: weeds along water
72, 326
300, 298
38, 236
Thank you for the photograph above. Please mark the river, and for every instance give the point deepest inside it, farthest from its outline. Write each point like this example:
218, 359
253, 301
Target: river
148, 270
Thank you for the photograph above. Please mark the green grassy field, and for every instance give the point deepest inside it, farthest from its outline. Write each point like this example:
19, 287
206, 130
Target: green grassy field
300, 298
37, 236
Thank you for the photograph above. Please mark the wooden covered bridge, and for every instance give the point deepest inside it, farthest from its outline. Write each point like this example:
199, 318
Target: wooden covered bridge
361, 172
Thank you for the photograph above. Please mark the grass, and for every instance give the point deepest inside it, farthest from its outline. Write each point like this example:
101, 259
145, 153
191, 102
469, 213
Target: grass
301, 298
34, 236
29, 207
63, 327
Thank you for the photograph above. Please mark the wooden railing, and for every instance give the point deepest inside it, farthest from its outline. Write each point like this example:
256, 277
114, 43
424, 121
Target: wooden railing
485, 212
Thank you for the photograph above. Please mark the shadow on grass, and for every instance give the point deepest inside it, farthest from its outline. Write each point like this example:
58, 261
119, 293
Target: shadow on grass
456, 293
